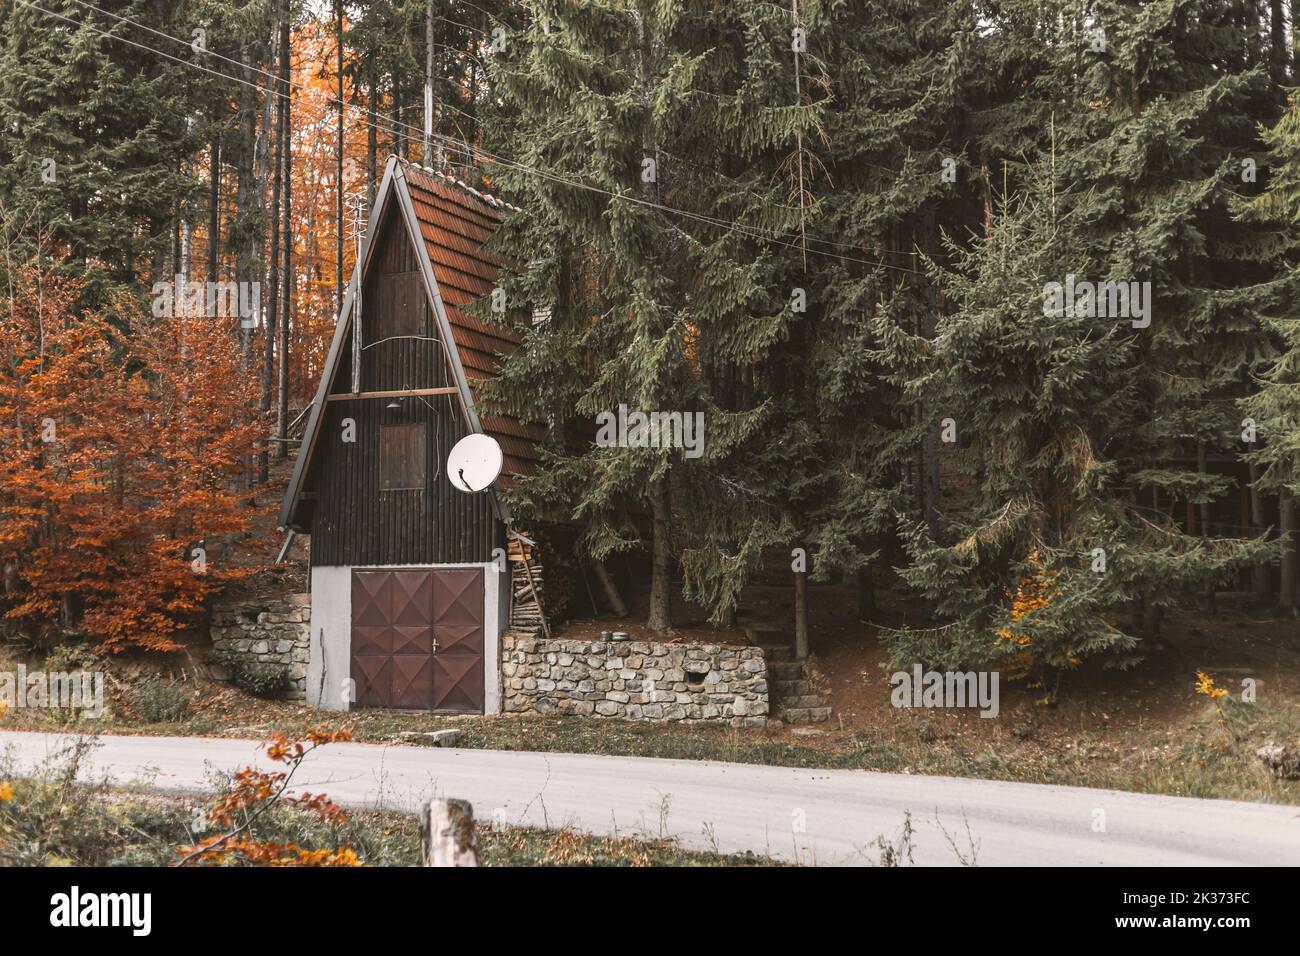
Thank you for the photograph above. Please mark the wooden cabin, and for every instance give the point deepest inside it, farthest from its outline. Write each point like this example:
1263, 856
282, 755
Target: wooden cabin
407, 601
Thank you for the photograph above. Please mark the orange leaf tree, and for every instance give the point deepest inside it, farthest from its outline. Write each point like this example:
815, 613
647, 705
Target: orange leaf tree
122, 447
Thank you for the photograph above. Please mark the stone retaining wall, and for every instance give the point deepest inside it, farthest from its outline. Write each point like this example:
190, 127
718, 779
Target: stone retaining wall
270, 631
634, 680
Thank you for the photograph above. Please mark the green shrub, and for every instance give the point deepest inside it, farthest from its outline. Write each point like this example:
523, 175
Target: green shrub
52, 820
260, 678
157, 700
66, 658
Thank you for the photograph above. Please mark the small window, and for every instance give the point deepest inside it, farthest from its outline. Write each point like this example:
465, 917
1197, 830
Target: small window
399, 307
402, 457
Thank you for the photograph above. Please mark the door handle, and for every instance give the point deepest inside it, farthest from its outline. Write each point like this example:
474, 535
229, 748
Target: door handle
435, 645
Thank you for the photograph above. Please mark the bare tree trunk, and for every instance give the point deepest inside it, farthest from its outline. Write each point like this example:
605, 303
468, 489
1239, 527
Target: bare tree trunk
395, 108
611, 590
800, 615
214, 208
247, 186
1281, 66
286, 239
247, 234
447, 834
659, 620
1288, 597
866, 594
660, 616
338, 203
1209, 601
273, 271
1259, 571
428, 85
372, 141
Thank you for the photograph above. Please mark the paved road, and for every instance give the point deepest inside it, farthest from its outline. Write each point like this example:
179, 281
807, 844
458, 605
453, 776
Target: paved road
816, 816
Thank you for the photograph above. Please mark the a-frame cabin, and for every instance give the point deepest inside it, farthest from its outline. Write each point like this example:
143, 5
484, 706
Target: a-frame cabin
407, 602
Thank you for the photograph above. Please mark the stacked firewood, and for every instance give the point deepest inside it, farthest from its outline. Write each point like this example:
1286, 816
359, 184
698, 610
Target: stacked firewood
526, 588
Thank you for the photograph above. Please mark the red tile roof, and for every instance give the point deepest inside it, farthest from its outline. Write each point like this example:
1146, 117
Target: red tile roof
455, 223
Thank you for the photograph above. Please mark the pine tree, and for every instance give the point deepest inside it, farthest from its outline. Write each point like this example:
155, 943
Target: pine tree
93, 135
1067, 419
626, 108
1273, 410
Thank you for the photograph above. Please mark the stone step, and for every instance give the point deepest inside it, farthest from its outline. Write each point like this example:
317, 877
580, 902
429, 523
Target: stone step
802, 702
791, 688
805, 715
777, 652
785, 670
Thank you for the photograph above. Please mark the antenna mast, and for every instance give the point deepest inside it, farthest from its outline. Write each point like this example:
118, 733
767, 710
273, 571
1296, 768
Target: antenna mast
357, 202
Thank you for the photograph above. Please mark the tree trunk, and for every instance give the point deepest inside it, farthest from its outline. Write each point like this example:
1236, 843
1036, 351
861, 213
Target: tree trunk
246, 235
611, 590
1259, 571
427, 152
447, 834
286, 239
659, 620
338, 182
866, 595
660, 617
1209, 602
372, 141
1280, 49
1288, 596
800, 615
214, 209
273, 266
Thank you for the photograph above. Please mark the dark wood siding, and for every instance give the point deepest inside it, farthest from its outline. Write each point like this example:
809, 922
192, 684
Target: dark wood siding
357, 523
354, 520
400, 344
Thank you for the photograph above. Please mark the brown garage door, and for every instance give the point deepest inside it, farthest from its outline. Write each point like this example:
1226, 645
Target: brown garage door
417, 639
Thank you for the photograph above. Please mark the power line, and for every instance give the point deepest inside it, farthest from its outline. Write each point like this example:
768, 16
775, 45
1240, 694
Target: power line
465, 148
460, 146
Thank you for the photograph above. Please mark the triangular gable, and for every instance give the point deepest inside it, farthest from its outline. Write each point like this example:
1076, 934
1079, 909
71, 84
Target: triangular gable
394, 192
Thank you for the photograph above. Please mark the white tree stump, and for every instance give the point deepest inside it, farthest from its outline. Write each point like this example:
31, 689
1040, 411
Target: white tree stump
447, 834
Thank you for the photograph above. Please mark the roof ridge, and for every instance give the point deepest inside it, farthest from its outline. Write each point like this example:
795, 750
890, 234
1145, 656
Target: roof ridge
491, 200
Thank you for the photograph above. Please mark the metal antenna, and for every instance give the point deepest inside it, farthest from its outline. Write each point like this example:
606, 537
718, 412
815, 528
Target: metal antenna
357, 202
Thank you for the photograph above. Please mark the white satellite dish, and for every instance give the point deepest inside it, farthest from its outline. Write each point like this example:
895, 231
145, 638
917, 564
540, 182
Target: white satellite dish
474, 463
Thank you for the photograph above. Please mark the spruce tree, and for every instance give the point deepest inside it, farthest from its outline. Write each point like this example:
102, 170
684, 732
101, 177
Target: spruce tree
629, 128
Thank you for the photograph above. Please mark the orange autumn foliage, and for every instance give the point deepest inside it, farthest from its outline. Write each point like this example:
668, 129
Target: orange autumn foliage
122, 441
254, 792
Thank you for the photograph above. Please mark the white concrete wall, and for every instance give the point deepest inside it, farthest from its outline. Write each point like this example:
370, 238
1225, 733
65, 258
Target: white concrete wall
329, 670
329, 678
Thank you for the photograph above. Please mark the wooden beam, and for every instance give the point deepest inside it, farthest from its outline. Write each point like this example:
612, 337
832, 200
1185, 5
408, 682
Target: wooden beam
407, 393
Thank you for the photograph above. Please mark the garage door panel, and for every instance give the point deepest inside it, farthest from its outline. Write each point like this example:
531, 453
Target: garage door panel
411, 640
399, 617
454, 641
458, 597
412, 598
368, 640
413, 681
373, 679
371, 598
458, 683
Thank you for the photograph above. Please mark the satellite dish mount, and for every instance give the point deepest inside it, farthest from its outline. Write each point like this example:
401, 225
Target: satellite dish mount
474, 463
